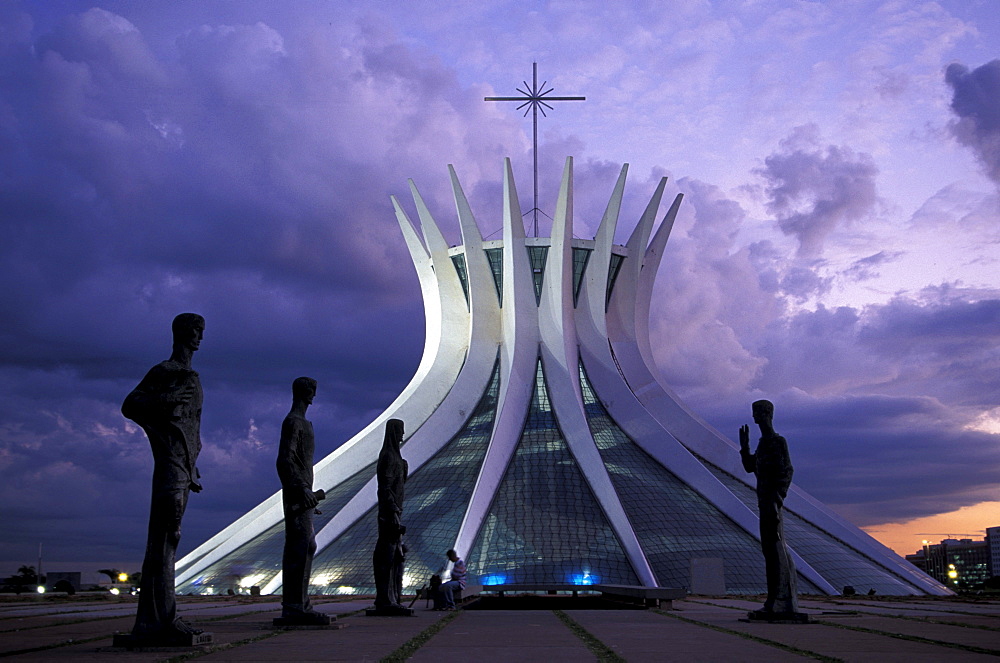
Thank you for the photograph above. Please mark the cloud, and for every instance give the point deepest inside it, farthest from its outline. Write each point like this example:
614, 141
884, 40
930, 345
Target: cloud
866, 268
813, 191
244, 176
976, 103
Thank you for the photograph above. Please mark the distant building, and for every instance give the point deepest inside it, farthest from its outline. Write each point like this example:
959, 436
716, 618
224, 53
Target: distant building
960, 563
993, 542
61, 580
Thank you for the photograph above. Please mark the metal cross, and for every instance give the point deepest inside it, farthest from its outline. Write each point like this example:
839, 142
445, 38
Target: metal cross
535, 98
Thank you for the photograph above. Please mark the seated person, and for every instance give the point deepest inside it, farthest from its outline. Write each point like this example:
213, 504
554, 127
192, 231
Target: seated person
444, 598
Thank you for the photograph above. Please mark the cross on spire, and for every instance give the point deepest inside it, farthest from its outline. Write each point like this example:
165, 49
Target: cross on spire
535, 98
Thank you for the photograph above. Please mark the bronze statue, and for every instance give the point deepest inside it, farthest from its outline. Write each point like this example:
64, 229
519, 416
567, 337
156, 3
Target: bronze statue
389, 549
167, 405
773, 469
295, 469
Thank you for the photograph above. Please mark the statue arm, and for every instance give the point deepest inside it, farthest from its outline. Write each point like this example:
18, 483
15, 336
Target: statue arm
786, 470
749, 459
157, 394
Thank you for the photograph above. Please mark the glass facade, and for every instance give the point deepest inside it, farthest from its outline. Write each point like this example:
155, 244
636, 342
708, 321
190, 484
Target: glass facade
545, 525
672, 522
258, 560
537, 256
836, 561
463, 276
580, 258
437, 496
613, 268
495, 256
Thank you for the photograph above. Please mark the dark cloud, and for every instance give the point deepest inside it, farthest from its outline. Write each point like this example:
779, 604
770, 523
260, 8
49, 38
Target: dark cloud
814, 190
879, 458
976, 102
245, 175
242, 171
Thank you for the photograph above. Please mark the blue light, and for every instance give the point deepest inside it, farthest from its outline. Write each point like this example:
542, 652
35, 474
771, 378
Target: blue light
495, 579
585, 578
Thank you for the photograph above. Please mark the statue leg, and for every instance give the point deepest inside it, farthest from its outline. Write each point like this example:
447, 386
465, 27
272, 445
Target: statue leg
157, 611
295, 561
770, 544
396, 580
382, 563
300, 546
786, 594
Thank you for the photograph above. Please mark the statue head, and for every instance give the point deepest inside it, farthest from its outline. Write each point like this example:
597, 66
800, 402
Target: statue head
188, 330
393, 435
762, 411
304, 389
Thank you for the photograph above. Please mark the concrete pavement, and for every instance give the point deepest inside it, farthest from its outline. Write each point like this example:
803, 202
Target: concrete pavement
697, 629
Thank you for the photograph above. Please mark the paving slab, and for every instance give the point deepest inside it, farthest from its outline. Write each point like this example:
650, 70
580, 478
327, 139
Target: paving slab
829, 640
524, 636
649, 636
362, 639
958, 635
530, 635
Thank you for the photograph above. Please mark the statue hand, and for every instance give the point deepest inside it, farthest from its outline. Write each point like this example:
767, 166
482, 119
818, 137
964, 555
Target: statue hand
308, 500
196, 486
744, 436
402, 529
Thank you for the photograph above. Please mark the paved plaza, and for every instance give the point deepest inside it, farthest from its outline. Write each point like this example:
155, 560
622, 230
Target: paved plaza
694, 629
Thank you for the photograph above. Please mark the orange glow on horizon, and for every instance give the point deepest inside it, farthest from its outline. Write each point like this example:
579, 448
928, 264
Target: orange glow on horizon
969, 522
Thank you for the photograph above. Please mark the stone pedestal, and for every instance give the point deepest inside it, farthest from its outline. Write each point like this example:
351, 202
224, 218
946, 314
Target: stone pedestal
390, 611
318, 620
173, 641
779, 617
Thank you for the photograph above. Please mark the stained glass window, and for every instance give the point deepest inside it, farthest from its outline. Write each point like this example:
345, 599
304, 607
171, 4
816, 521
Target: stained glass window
437, 496
258, 560
580, 258
537, 256
613, 269
459, 262
673, 523
545, 525
495, 256
836, 561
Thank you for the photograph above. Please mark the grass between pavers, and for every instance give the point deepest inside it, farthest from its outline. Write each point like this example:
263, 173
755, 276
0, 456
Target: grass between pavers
604, 653
943, 622
911, 618
409, 648
223, 647
965, 613
913, 638
755, 638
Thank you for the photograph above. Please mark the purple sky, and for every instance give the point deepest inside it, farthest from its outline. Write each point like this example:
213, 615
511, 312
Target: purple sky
838, 250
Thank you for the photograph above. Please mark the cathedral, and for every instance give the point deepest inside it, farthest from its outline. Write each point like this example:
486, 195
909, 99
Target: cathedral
542, 443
